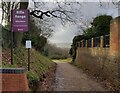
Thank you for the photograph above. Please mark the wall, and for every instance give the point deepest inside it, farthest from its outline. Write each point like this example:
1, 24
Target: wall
115, 37
14, 80
103, 62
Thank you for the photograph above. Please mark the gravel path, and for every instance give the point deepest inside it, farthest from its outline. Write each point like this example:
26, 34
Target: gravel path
70, 78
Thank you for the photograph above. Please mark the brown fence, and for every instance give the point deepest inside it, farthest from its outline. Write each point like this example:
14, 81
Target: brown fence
102, 41
101, 55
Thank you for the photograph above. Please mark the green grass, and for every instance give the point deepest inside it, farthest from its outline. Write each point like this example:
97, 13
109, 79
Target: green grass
63, 60
39, 64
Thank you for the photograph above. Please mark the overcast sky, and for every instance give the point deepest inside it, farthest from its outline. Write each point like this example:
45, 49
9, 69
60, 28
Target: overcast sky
89, 11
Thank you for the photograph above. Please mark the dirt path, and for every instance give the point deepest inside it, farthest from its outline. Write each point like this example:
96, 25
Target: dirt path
70, 78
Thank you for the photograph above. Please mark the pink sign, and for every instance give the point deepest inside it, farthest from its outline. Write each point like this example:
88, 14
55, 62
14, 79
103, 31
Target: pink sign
19, 20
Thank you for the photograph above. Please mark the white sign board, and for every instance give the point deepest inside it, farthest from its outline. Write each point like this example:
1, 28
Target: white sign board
28, 44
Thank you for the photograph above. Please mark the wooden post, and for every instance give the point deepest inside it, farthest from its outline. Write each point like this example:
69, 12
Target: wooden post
93, 42
11, 39
115, 37
86, 44
79, 44
82, 43
11, 47
28, 59
101, 42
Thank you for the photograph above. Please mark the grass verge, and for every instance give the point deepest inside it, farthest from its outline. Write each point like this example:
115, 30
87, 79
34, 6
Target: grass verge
63, 60
39, 64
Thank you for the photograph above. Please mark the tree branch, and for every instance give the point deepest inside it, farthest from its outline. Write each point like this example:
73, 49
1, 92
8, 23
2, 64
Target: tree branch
40, 14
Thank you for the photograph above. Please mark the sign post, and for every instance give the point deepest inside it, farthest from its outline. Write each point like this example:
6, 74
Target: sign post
11, 47
20, 18
19, 23
28, 45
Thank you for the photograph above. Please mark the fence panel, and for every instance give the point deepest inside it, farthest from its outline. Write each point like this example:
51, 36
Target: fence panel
77, 44
84, 43
107, 41
89, 42
96, 42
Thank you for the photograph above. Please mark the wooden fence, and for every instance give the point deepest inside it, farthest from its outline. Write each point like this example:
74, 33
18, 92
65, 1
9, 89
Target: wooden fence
102, 41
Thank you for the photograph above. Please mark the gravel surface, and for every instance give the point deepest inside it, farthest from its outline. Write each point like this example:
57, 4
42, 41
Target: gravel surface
70, 78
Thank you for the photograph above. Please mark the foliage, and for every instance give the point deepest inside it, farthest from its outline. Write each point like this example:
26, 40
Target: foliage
5, 36
38, 41
54, 52
100, 26
39, 64
63, 60
58, 56
6, 15
72, 51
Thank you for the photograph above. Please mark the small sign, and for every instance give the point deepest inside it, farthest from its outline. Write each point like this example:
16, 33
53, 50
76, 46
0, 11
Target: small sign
28, 44
19, 20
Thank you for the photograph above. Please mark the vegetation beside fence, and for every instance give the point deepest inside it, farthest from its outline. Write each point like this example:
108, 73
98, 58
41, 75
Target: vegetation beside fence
100, 56
99, 27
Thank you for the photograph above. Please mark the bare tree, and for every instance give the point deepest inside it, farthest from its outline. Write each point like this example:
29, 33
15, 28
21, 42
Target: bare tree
65, 11
6, 10
6, 14
45, 27
60, 11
